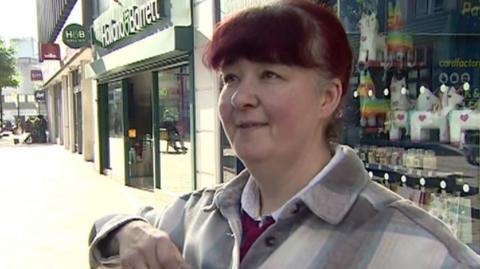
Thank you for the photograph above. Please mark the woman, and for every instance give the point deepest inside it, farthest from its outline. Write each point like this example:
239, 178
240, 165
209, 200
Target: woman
302, 202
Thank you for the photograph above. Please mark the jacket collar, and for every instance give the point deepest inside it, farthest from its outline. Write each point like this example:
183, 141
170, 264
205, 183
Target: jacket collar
332, 197
329, 198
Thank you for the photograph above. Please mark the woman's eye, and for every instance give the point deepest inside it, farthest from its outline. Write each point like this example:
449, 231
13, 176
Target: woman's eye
228, 78
270, 75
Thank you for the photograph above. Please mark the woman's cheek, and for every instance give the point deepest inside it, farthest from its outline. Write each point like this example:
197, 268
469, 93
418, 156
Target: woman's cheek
224, 109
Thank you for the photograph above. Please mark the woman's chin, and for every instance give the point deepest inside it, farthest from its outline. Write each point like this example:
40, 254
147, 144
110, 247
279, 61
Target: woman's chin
251, 154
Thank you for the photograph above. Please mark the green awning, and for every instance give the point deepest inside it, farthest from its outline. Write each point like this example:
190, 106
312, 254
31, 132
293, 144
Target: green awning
138, 56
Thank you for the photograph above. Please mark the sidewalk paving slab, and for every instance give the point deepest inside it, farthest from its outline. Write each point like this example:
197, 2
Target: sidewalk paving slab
49, 198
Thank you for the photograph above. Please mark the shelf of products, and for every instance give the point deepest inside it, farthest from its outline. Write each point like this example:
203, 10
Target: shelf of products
415, 167
453, 183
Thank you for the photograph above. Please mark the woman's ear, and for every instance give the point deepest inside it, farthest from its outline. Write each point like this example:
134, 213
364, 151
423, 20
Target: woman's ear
330, 98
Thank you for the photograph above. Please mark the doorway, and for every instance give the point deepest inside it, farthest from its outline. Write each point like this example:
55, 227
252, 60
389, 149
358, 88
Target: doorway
174, 137
140, 138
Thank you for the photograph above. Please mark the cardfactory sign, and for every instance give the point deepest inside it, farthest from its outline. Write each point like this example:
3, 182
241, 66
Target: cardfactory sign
125, 20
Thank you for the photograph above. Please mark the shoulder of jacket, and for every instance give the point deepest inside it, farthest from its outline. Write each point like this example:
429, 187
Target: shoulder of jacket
431, 225
378, 196
206, 191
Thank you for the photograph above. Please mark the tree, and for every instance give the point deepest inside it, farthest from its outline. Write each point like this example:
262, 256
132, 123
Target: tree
7, 72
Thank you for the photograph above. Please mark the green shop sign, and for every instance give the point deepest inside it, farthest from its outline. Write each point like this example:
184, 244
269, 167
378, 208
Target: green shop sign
74, 36
122, 21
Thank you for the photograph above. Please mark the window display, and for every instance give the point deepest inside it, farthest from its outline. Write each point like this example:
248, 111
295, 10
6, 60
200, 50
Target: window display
415, 95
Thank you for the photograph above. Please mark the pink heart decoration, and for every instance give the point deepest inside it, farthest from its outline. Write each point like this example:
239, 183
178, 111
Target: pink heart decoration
400, 117
422, 117
464, 117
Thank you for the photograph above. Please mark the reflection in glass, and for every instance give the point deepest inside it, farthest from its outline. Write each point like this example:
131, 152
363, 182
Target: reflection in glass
115, 110
425, 131
175, 136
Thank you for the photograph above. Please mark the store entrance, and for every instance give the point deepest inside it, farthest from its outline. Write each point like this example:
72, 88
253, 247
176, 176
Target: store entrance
174, 134
139, 140
77, 104
57, 118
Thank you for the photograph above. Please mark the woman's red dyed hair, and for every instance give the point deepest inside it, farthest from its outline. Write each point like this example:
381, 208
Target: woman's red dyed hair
292, 32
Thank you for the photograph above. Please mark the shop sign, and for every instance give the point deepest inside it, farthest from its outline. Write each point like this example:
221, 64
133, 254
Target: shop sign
39, 96
36, 75
74, 36
471, 8
127, 19
49, 51
457, 72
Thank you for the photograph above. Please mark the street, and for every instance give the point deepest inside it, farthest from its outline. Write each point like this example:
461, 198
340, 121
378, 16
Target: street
49, 198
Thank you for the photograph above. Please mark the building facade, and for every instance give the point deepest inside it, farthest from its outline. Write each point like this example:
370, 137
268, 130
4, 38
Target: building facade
19, 103
68, 93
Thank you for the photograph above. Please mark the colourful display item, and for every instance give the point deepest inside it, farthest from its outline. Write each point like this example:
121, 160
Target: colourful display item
369, 104
399, 42
395, 21
374, 106
397, 39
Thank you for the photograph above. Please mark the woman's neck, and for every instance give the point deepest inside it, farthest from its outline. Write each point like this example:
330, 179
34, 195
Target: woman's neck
278, 182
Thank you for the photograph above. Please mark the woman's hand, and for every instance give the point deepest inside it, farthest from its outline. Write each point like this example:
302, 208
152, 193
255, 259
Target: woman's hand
142, 246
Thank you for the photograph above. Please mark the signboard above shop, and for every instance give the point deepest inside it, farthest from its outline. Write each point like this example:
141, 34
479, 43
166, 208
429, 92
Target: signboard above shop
75, 36
36, 75
49, 51
128, 19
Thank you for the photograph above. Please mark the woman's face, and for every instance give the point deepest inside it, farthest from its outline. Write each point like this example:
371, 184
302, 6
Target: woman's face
271, 111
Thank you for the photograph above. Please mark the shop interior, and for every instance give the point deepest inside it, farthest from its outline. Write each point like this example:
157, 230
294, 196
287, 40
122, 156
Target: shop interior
413, 120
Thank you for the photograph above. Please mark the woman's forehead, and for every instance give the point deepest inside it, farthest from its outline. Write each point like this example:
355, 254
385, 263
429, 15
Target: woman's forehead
242, 62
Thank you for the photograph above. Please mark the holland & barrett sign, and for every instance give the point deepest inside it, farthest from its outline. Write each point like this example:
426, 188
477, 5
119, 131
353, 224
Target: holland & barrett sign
74, 36
129, 18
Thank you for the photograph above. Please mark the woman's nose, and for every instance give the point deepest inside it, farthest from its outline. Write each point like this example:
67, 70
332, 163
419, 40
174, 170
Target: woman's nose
245, 96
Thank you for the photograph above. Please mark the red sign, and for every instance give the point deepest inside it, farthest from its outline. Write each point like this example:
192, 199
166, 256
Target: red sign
36, 75
50, 51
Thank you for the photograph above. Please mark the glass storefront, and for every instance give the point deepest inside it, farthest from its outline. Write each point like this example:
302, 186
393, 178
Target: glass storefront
139, 132
413, 107
77, 111
412, 112
175, 145
115, 110
57, 110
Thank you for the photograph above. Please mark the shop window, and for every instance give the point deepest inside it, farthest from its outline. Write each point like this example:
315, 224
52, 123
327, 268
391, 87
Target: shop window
8, 98
75, 78
412, 109
175, 137
22, 98
115, 110
31, 98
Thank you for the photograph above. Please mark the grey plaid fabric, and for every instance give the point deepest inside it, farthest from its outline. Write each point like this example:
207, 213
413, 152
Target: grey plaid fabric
344, 221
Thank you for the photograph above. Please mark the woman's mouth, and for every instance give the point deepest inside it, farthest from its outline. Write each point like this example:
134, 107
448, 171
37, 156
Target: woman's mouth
247, 125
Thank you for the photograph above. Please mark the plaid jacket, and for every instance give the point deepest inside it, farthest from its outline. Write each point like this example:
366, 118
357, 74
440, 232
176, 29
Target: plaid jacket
344, 221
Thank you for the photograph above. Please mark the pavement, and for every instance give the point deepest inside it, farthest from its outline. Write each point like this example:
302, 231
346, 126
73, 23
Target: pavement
49, 199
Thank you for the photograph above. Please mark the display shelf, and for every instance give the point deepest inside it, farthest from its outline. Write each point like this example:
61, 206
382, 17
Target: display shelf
439, 148
452, 182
